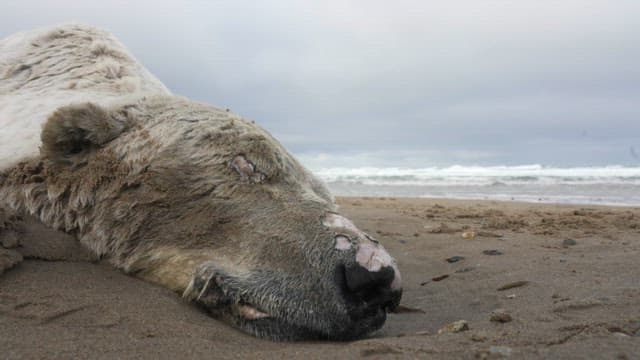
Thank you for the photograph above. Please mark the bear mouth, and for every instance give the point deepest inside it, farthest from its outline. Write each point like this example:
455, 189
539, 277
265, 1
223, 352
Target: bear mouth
262, 305
260, 324
360, 320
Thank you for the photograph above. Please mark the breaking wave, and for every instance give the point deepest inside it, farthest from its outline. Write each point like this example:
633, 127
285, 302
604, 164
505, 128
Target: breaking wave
608, 185
483, 176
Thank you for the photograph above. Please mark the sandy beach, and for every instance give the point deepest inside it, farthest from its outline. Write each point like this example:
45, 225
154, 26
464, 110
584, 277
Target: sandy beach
530, 280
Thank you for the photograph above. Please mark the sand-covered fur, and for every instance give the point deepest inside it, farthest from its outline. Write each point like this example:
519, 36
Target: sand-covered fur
180, 193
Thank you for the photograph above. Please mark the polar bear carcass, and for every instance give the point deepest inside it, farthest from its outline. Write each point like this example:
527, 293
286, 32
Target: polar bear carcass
179, 193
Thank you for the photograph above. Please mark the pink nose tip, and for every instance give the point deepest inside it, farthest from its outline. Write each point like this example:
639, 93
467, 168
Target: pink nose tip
375, 258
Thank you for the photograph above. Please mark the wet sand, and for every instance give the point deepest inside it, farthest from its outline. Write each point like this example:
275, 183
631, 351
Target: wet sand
572, 275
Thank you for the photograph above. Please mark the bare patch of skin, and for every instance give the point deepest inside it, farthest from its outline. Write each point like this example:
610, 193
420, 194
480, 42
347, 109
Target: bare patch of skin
246, 169
373, 257
343, 242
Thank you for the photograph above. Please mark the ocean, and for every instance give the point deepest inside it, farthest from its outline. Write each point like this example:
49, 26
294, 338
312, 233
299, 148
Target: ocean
608, 185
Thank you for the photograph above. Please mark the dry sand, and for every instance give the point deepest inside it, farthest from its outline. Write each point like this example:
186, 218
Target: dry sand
578, 268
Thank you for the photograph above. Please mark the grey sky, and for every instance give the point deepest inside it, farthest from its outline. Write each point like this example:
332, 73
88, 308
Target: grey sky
402, 83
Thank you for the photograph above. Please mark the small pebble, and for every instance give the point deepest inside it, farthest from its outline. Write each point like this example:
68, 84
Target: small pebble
500, 350
511, 296
455, 259
464, 270
454, 327
479, 336
440, 277
469, 235
492, 252
501, 316
568, 242
512, 285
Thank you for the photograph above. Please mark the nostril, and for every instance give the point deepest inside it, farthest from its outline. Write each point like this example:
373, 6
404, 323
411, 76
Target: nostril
359, 279
367, 293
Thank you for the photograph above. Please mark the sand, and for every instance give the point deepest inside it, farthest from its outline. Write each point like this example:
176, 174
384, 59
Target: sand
574, 273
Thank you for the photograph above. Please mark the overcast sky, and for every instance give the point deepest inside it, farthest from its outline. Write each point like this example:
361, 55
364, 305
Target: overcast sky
395, 83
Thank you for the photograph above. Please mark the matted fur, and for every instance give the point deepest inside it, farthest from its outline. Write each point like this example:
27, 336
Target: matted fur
176, 192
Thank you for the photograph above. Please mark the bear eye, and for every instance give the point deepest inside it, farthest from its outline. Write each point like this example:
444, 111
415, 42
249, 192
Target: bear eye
246, 169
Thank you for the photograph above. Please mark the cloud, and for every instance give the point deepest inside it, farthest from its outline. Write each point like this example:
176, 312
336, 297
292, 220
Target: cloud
391, 158
412, 77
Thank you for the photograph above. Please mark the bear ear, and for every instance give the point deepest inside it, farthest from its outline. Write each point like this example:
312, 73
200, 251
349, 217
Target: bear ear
76, 129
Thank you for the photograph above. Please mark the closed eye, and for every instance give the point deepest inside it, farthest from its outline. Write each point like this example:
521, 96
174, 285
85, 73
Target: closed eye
247, 170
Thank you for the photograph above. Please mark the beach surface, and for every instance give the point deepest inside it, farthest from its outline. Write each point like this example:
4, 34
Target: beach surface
529, 280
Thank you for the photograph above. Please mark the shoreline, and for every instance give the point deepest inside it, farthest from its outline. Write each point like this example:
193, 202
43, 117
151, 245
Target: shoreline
629, 199
462, 201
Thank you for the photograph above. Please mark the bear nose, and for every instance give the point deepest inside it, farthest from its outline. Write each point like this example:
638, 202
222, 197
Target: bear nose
360, 279
373, 289
373, 277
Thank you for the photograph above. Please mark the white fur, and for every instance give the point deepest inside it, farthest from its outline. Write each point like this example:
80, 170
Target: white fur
44, 69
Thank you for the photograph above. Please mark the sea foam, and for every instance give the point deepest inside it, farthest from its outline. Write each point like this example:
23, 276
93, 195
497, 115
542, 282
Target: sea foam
610, 185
